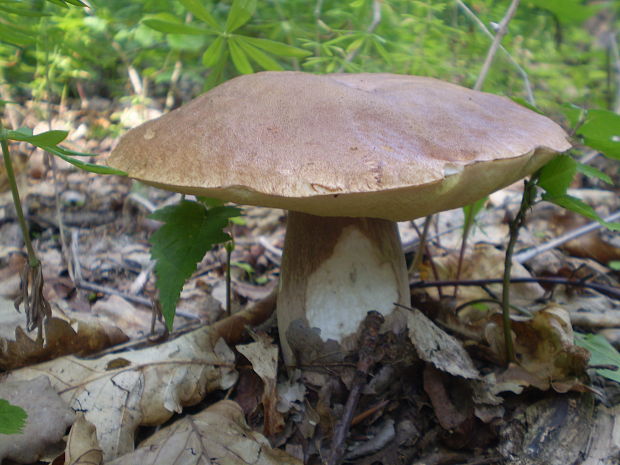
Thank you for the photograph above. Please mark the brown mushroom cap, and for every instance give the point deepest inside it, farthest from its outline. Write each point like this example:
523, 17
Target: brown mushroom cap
362, 145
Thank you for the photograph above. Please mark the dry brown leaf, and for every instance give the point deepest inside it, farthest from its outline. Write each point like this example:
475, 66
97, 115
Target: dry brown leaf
219, 434
591, 245
60, 339
544, 349
158, 381
263, 355
483, 261
48, 418
82, 445
435, 346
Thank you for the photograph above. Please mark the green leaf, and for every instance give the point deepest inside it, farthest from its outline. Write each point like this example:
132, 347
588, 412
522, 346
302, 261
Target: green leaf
213, 52
578, 206
14, 36
199, 11
263, 60
240, 13
12, 418
614, 265
239, 58
471, 211
169, 24
573, 114
189, 231
601, 131
23, 12
601, 353
278, 48
593, 172
91, 167
557, 175
42, 139
524, 103
567, 11
217, 72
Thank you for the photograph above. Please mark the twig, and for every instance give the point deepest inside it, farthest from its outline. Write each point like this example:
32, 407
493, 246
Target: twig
526, 255
610, 291
501, 32
376, 19
422, 238
368, 356
483, 28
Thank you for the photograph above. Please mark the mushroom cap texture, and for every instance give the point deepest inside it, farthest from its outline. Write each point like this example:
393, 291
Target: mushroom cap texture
386, 146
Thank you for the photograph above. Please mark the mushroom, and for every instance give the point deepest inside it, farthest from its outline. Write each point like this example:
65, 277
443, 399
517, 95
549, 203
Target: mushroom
347, 155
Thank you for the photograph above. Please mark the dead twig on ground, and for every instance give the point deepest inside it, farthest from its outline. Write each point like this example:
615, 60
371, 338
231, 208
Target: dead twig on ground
368, 357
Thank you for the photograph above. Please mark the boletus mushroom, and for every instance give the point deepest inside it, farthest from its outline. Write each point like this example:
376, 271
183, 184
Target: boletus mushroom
347, 155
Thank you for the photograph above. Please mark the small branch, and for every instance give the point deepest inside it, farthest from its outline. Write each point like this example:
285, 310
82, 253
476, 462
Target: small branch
368, 356
609, 291
485, 30
501, 32
526, 255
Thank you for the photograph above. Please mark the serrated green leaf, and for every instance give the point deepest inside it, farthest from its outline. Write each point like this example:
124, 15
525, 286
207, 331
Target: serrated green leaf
557, 175
601, 353
44, 138
197, 8
278, 48
579, 206
213, 52
239, 58
188, 232
169, 24
12, 418
593, 172
240, 13
601, 131
263, 60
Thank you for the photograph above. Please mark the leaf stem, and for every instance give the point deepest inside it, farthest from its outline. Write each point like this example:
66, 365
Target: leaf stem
529, 194
32, 257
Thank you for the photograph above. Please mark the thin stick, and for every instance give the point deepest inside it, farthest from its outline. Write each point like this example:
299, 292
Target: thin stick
368, 356
523, 257
33, 261
483, 28
501, 32
610, 291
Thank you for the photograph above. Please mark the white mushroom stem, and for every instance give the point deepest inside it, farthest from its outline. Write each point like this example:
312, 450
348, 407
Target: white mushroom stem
334, 271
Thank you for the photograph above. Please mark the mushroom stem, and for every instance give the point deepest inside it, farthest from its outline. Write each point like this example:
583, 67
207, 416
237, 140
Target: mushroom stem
334, 271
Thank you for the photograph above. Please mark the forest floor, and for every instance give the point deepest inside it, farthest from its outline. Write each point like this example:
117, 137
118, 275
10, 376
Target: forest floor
127, 376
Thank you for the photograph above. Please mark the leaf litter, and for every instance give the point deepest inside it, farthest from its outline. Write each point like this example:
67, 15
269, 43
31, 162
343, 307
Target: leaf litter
447, 391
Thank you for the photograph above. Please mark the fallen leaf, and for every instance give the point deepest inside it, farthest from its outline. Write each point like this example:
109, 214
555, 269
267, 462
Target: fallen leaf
544, 349
48, 418
437, 347
218, 434
263, 355
82, 445
159, 381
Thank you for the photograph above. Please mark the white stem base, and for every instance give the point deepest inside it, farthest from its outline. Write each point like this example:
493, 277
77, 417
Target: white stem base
334, 271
